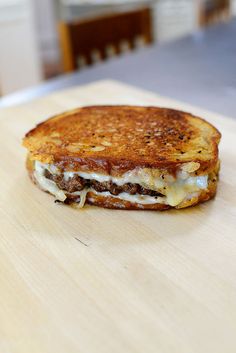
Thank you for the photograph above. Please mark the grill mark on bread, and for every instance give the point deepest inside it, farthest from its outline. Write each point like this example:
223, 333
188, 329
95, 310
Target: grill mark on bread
77, 183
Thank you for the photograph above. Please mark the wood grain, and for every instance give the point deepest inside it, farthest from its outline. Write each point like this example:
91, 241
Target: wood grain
107, 281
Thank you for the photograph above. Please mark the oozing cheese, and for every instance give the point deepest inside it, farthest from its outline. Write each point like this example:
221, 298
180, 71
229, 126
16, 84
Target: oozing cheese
138, 198
46, 184
175, 190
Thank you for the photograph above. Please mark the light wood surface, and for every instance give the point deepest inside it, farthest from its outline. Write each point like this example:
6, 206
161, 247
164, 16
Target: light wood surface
107, 281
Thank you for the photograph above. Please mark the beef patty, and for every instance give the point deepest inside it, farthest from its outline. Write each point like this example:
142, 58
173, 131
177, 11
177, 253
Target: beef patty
76, 183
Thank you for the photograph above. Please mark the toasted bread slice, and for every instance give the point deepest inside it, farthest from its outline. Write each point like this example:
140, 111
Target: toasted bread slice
125, 157
115, 139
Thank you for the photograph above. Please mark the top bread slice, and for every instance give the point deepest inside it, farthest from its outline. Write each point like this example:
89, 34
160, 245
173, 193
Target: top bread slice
115, 139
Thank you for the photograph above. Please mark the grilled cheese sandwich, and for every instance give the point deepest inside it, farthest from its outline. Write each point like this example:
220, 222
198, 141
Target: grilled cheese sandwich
78, 169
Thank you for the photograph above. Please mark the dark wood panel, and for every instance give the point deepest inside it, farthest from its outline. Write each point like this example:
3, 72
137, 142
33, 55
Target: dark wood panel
80, 39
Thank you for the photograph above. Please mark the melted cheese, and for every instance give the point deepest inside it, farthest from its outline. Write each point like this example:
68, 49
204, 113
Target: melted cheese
46, 184
175, 190
136, 176
143, 199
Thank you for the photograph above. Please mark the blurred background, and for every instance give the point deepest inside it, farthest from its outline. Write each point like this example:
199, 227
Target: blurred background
42, 39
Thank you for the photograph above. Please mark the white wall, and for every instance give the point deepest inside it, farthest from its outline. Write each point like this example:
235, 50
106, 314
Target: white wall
46, 26
19, 55
174, 18
233, 7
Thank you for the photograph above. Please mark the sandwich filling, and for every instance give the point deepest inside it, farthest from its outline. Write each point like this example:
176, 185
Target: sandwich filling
142, 185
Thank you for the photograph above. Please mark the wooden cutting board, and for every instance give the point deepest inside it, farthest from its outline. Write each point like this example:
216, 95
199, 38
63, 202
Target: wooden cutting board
107, 281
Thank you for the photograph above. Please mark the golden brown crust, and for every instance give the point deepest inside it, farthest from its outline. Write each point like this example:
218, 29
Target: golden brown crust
115, 139
115, 203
